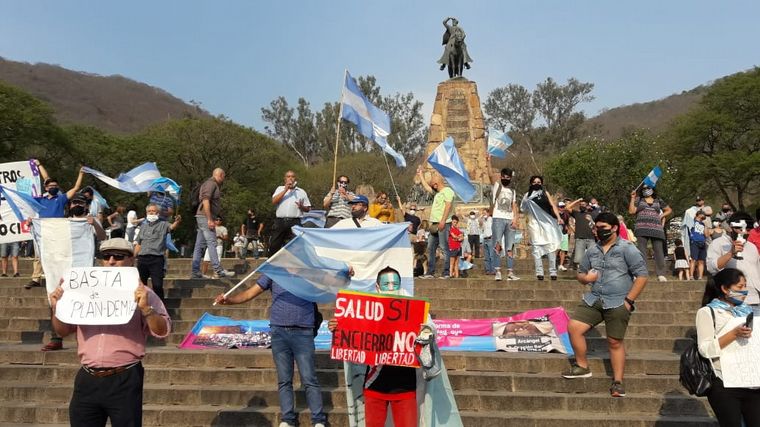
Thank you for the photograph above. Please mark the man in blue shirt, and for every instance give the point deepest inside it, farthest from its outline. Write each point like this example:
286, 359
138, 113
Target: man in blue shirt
617, 273
292, 322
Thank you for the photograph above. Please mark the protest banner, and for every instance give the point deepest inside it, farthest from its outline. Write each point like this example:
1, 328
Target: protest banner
376, 329
23, 177
98, 295
738, 360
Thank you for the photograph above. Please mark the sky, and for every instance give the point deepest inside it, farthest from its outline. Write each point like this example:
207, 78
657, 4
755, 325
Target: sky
236, 56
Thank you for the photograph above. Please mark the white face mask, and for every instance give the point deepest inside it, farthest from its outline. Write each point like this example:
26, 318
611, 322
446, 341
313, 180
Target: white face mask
472, 216
412, 211
151, 218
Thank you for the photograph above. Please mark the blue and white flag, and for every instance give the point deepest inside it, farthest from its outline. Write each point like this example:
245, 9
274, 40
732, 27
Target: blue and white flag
141, 179
498, 143
371, 122
23, 206
314, 218
447, 162
63, 243
654, 176
314, 265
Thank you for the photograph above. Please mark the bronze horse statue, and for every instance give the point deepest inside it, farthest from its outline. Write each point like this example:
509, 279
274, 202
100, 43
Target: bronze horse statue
455, 54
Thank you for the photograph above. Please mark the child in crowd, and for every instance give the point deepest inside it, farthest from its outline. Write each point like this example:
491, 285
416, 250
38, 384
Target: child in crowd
455, 247
682, 263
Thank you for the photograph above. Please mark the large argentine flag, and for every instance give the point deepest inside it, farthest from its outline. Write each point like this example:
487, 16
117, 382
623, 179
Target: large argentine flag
372, 122
498, 143
141, 179
447, 162
63, 243
654, 176
314, 265
23, 206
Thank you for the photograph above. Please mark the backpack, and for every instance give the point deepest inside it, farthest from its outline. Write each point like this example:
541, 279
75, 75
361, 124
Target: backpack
195, 195
696, 372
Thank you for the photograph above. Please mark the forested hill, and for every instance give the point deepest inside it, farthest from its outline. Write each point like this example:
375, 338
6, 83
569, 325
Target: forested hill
655, 116
112, 103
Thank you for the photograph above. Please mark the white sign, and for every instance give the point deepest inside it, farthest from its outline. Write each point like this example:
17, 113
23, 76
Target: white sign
11, 230
738, 360
98, 296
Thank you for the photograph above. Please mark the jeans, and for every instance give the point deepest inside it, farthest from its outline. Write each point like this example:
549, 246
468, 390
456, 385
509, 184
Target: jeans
539, 264
204, 238
291, 344
254, 243
659, 254
490, 256
436, 240
581, 246
502, 229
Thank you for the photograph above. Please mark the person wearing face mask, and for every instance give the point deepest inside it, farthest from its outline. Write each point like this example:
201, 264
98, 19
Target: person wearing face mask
651, 213
78, 211
359, 215
150, 247
336, 202
544, 226
724, 300
617, 274
251, 230
410, 216
725, 213
724, 252
505, 217
584, 223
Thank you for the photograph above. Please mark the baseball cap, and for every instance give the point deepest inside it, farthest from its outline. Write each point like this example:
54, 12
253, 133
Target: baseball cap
359, 199
117, 244
561, 204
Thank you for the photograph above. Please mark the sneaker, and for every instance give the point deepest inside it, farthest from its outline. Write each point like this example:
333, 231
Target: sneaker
284, 424
195, 275
617, 389
427, 276
444, 277
511, 276
223, 273
562, 268
662, 278
3, 275
497, 276
553, 277
577, 371
319, 425
53, 346
540, 277
16, 275
32, 284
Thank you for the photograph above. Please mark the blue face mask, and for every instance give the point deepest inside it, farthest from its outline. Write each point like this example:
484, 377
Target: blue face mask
737, 297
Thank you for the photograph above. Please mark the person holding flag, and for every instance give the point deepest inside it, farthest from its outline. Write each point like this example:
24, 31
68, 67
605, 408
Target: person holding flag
651, 213
440, 221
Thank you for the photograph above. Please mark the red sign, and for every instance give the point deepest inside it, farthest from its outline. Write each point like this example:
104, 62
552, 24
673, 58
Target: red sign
377, 329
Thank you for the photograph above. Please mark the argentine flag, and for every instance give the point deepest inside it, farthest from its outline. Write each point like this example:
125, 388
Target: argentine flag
498, 143
371, 122
23, 206
314, 265
654, 176
63, 243
141, 179
447, 162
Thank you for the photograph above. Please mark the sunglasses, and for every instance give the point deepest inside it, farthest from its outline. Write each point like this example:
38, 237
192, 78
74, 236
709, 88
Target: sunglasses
342, 182
117, 257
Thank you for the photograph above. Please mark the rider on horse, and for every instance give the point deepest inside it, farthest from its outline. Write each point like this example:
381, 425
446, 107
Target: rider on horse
454, 35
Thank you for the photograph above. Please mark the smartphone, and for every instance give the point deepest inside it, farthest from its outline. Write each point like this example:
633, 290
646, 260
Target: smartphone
750, 318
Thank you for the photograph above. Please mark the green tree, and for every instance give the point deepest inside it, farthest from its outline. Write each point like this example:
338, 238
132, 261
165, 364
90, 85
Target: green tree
717, 144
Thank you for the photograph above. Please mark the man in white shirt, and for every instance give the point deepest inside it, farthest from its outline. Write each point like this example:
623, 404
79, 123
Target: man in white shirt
359, 215
727, 251
132, 222
291, 202
506, 216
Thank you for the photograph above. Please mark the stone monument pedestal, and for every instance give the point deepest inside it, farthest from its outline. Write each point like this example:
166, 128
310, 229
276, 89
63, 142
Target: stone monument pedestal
457, 113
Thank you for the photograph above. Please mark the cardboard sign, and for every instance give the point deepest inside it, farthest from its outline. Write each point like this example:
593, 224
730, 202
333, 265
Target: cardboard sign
98, 296
376, 329
23, 177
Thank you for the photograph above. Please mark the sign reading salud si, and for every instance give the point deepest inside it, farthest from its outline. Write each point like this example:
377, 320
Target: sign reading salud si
377, 329
98, 296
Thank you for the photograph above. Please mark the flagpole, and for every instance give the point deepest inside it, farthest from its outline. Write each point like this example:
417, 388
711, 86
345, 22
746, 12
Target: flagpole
385, 156
337, 132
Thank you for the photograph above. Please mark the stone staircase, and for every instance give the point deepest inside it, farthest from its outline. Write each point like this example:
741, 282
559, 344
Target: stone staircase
238, 387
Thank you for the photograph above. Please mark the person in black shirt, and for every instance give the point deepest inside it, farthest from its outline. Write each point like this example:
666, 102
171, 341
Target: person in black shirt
251, 230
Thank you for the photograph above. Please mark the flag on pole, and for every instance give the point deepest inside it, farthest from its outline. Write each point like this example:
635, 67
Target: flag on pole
371, 122
23, 206
654, 176
498, 143
447, 162
314, 265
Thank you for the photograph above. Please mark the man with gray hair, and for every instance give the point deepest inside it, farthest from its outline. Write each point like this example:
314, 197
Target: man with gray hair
209, 207
150, 247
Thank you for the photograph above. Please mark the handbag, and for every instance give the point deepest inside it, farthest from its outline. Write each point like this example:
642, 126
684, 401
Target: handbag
696, 372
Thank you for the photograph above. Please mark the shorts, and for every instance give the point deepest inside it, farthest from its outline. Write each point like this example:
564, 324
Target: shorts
615, 319
682, 264
565, 245
9, 250
698, 253
455, 252
218, 253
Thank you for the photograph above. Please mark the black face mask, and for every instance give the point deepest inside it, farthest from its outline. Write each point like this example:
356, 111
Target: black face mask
54, 191
358, 213
603, 234
78, 210
505, 182
536, 187
726, 210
